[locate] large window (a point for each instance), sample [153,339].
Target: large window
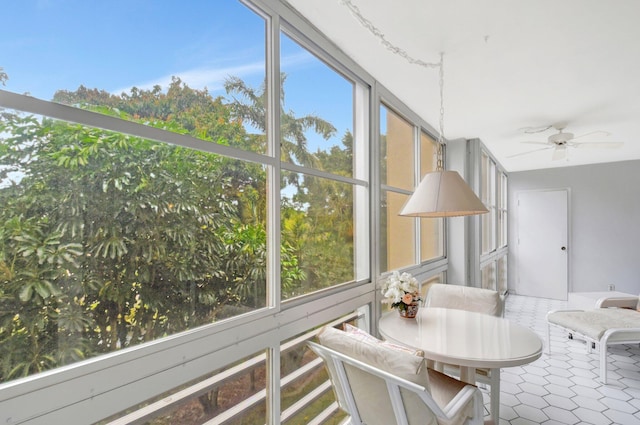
[158,204]
[400,144]
[318,185]
[131,225]
[493,192]
[110,240]
[155,218]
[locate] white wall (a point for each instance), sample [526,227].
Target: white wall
[604,223]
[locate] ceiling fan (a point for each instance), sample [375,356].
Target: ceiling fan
[562,140]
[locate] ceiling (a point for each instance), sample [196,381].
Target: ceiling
[508,66]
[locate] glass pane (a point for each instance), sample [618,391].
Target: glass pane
[431,238]
[108,241]
[502,274]
[488,196]
[317,234]
[317,112]
[428,154]
[503,216]
[205,400]
[397,233]
[424,286]
[489,276]
[396,151]
[158,66]
[431,229]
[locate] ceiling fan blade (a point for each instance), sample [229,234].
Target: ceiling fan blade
[528,152]
[597,145]
[560,152]
[598,132]
[536,143]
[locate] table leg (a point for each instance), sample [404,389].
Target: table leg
[494,382]
[468,374]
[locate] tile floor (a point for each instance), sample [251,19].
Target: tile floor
[562,388]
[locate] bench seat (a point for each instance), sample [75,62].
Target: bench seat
[602,327]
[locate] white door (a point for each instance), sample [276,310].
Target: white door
[543,258]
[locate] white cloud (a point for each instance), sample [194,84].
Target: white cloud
[213,77]
[199,78]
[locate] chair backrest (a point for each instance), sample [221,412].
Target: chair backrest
[371,394]
[467,298]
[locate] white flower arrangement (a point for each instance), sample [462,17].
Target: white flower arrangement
[400,290]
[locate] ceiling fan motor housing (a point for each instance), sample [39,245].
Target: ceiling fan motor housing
[560,138]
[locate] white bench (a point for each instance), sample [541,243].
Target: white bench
[615,321]
[590,300]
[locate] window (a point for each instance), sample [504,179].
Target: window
[431,229]
[110,240]
[493,192]
[318,186]
[502,210]
[397,177]
[134,227]
[398,152]
[488,194]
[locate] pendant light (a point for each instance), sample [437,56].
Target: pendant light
[442,193]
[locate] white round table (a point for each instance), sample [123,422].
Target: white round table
[467,339]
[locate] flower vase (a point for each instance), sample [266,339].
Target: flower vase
[410,311]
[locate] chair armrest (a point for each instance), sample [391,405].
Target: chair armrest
[619,302]
[560,311]
[621,335]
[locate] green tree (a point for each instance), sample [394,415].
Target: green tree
[319,206]
[109,240]
[249,105]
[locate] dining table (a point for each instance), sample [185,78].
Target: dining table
[467,339]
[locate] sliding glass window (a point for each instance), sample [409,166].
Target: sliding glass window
[141,209]
[402,238]
[318,150]
[181,201]
[493,191]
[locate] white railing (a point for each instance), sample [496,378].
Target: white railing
[173,401]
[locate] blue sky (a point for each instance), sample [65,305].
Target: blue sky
[47,45]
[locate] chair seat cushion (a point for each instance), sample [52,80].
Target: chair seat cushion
[594,323]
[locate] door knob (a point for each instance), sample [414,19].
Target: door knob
[564,248]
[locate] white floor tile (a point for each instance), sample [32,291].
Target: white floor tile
[564,387]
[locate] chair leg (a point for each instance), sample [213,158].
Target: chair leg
[603,363]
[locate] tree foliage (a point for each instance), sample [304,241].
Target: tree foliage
[109,240]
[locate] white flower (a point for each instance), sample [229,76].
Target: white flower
[393,294]
[397,286]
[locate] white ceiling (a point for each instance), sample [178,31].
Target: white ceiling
[508,65]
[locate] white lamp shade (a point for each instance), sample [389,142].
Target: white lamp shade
[443,194]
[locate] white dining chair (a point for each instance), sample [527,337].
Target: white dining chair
[467,298]
[378,385]
[474,299]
